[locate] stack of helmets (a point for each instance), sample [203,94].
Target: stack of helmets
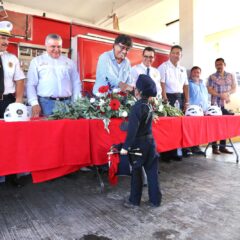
[213,111]
[194,110]
[16,112]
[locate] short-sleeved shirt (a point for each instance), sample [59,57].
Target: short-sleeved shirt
[220,84]
[110,73]
[153,73]
[174,77]
[198,94]
[52,77]
[12,72]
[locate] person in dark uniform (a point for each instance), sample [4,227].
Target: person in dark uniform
[11,79]
[139,135]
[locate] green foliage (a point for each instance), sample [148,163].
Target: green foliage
[107,106]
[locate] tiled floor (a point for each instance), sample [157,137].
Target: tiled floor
[201,201]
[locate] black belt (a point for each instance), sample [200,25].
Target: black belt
[57,98]
[145,137]
[174,94]
[6,96]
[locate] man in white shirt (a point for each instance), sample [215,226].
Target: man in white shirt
[52,77]
[11,81]
[174,83]
[174,80]
[12,77]
[146,68]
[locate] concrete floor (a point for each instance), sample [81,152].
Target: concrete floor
[201,201]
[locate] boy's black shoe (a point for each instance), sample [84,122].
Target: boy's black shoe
[128,204]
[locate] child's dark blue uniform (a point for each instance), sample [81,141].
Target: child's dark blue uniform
[140,136]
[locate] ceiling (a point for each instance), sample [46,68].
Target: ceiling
[147,18]
[98,12]
[91,11]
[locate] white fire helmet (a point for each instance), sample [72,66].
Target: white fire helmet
[16,112]
[213,111]
[194,110]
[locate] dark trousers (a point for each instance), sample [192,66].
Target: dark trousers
[172,97]
[7,99]
[222,142]
[154,192]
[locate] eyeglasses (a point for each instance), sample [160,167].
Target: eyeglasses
[150,57]
[122,47]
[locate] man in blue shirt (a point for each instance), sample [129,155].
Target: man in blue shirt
[113,68]
[198,95]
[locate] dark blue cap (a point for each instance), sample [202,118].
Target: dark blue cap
[146,86]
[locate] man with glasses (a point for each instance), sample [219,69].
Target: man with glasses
[52,77]
[146,68]
[113,68]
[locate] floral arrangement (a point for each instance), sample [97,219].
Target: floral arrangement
[107,105]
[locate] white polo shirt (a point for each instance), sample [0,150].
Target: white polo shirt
[153,73]
[12,71]
[173,77]
[52,77]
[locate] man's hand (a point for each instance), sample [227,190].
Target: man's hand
[123,151]
[125,87]
[36,109]
[225,96]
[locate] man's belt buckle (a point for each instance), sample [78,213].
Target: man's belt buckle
[1,97]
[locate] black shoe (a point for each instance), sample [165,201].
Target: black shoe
[225,150]
[216,151]
[128,204]
[197,151]
[200,153]
[16,183]
[187,153]
[153,205]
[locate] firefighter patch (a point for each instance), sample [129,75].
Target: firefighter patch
[10,64]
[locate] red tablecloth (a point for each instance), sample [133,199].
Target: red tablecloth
[50,149]
[47,146]
[101,140]
[200,130]
[167,132]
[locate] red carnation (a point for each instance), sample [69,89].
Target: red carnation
[114,104]
[103,89]
[123,94]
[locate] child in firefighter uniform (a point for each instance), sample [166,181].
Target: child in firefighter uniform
[139,135]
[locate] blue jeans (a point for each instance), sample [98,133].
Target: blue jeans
[47,105]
